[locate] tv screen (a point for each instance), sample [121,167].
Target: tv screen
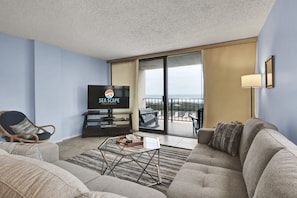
[108,97]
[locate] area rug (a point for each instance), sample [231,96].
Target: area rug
[171,160]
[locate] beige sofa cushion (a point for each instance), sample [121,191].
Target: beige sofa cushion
[261,151]
[24,149]
[203,154]
[49,151]
[46,151]
[250,130]
[3,152]
[198,180]
[122,187]
[83,174]
[93,194]
[279,177]
[30,178]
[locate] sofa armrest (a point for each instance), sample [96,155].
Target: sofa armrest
[205,134]
[45,151]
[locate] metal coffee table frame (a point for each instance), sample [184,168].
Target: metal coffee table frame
[133,153]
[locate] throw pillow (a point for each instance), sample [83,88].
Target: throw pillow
[24,126]
[226,137]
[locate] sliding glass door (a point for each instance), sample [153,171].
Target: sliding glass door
[151,95]
[170,90]
[185,93]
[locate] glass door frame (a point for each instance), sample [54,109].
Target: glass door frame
[165,92]
[164,97]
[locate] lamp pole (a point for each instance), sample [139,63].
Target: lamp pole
[251,102]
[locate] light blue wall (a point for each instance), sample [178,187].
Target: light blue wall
[16,74]
[62,95]
[48,94]
[76,76]
[279,38]
[48,83]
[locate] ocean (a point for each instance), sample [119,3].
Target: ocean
[176,96]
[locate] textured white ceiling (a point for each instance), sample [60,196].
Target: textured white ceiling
[112,29]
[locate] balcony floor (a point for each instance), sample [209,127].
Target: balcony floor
[177,128]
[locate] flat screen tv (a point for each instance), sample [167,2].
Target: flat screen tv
[108,97]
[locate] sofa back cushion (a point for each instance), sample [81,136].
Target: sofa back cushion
[96,194]
[264,146]
[3,152]
[26,177]
[250,130]
[279,178]
[24,149]
[45,151]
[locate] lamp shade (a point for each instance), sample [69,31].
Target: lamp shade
[251,81]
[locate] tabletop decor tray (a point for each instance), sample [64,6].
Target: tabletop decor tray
[123,140]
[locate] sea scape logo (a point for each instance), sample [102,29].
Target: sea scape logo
[109,93]
[109,98]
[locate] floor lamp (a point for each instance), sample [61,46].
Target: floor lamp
[251,81]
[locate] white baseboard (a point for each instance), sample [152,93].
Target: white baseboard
[67,138]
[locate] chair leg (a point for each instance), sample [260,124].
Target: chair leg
[193,122]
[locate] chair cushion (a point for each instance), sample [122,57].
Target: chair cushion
[24,127]
[42,136]
[226,137]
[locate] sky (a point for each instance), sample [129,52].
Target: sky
[184,80]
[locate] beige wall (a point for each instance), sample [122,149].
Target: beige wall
[224,98]
[126,73]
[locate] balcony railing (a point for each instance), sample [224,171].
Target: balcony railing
[179,109]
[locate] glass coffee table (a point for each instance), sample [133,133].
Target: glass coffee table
[140,150]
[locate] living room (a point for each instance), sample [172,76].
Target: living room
[69,73]
[49,83]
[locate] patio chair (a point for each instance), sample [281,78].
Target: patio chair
[197,121]
[147,117]
[16,127]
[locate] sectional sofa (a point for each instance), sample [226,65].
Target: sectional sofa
[35,171]
[265,166]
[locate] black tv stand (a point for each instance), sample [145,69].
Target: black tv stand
[93,112]
[97,123]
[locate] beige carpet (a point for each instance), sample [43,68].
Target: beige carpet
[77,145]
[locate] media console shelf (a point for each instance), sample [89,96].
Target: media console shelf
[98,123]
